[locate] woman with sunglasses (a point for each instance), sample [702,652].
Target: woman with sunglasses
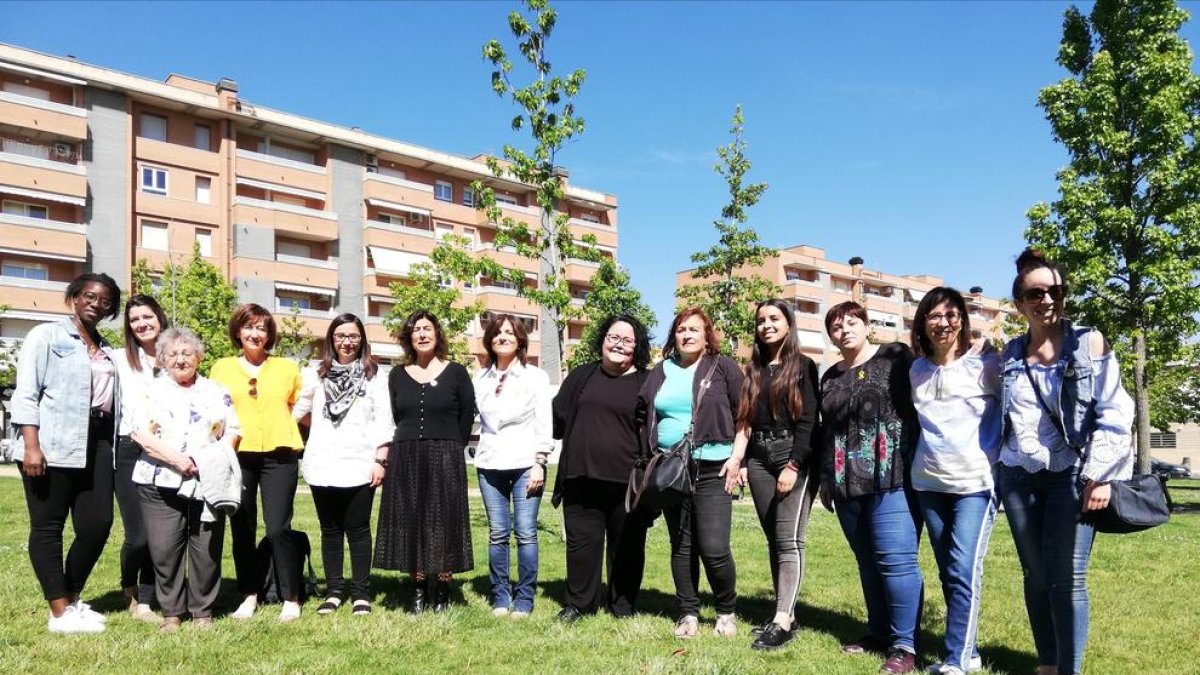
[66,408]
[264,389]
[136,367]
[956,391]
[1066,433]
[514,447]
[345,459]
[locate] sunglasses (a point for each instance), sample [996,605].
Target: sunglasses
[500,386]
[1056,292]
[253,387]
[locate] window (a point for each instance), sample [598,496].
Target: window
[154,180]
[203,190]
[442,230]
[294,301]
[26,210]
[153,127]
[27,91]
[443,191]
[204,239]
[590,217]
[203,140]
[468,197]
[390,172]
[154,235]
[1158,440]
[472,235]
[506,199]
[266,147]
[293,248]
[25,270]
[393,220]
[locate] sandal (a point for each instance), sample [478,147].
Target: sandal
[687,627]
[726,625]
[330,605]
[360,607]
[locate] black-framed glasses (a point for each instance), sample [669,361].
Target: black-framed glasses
[349,338]
[614,339]
[253,387]
[93,299]
[951,318]
[1035,294]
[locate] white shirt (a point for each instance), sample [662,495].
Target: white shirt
[514,425]
[958,409]
[343,455]
[135,387]
[185,419]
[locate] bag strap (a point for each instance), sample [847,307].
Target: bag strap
[633,493]
[705,384]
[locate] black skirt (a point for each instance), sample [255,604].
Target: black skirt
[424,523]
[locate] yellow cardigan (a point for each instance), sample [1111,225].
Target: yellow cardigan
[266,419]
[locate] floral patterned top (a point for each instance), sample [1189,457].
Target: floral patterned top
[869,424]
[186,419]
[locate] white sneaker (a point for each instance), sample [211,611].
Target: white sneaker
[976,663]
[289,612]
[246,609]
[89,613]
[499,611]
[73,621]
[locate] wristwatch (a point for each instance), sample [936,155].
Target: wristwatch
[541,461]
[381,461]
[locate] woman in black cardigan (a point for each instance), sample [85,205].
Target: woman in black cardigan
[594,418]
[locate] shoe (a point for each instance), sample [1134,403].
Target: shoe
[899,661]
[330,605]
[976,663]
[89,613]
[569,615]
[773,636]
[726,625]
[170,624]
[131,600]
[418,600]
[289,612]
[517,615]
[73,621]
[441,596]
[202,622]
[687,627]
[246,609]
[761,628]
[499,611]
[866,643]
[142,612]
[361,607]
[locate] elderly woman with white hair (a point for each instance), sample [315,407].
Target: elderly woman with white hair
[189,479]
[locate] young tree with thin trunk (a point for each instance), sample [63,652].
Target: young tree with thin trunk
[611,294]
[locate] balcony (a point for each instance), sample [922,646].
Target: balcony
[41,167]
[45,116]
[32,295]
[589,225]
[174,154]
[508,258]
[312,223]
[327,263]
[808,290]
[605,235]
[580,270]
[285,309]
[397,194]
[52,243]
[400,229]
[264,158]
[43,223]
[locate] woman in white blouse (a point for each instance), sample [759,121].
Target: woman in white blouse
[515,440]
[346,455]
[1065,434]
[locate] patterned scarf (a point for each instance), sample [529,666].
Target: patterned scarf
[342,387]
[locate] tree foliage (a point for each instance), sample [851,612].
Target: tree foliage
[432,286]
[294,340]
[8,358]
[725,295]
[195,295]
[611,294]
[1127,220]
[547,110]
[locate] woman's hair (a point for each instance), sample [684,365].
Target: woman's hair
[364,347]
[711,346]
[131,343]
[1030,260]
[75,289]
[785,386]
[441,347]
[246,314]
[174,335]
[921,343]
[493,329]
[842,310]
[641,338]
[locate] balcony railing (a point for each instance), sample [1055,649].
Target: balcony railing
[583,263]
[44,105]
[588,223]
[43,223]
[280,161]
[287,308]
[502,290]
[401,182]
[35,284]
[401,229]
[284,207]
[55,156]
[329,264]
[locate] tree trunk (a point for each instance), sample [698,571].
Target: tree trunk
[1141,400]
[550,355]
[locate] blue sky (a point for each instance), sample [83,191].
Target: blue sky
[905,133]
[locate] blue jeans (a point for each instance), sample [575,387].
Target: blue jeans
[500,488]
[960,526]
[1054,544]
[884,534]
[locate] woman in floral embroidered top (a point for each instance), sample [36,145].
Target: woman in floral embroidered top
[870,427]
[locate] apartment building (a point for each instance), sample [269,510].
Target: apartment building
[99,169]
[812,284]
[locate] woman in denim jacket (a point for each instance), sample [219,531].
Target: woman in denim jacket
[1066,434]
[66,408]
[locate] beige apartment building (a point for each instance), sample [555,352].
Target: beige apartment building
[99,169]
[812,284]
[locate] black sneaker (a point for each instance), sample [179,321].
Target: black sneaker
[758,630]
[773,636]
[569,615]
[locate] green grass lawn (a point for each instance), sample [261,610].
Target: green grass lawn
[1143,588]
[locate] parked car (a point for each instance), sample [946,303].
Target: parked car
[1166,470]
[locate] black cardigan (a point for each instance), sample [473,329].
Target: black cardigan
[441,411]
[714,420]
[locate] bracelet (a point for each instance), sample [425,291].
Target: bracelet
[381,461]
[792,465]
[541,461]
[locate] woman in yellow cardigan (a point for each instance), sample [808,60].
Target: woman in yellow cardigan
[264,388]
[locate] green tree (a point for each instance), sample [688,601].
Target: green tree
[8,358]
[432,286]
[1127,221]
[196,295]
[294,340]
[547,110]
[611,294]
[725,295]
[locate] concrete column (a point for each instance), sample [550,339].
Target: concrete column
[106,158]
[346,171]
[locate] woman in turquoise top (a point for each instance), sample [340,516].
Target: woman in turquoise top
[696,388]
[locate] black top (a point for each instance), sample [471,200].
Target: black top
[441,409]
[802,428]
[603,440]
[868,423]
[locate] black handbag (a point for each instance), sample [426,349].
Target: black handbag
[300,553]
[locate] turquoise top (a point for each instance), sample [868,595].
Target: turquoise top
[673,406]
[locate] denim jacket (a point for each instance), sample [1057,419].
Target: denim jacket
[54,393]
[1078,418]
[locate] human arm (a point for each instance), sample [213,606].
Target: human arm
[1109,453]
[732,470]
[466,402]
[542,429]
[381,428]
[308,390]
[163,453]
[735,474]
[32,362]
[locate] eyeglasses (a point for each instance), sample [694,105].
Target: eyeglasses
[500,386]
[1036,294]
[951,318]
[253,387]
[350,338]
[614,339]
[103,301]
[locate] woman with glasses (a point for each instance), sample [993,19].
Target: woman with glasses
[956,391]
[513,400]
[594,416]
[264,389]
[346,457]
[66,408]
[1066,433]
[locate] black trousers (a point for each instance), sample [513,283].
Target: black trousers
[594,510]
[86,495]
[699,531]
[136,567]
[345,515]
[276,473]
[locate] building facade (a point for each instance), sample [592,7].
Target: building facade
[99,169]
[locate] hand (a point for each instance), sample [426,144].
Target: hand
[826,498]
[743,476]
[981,345]
[1096,496]
[186,467]
[537,479]
[34,463]
[731,472]
[377,474]
[787,481]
